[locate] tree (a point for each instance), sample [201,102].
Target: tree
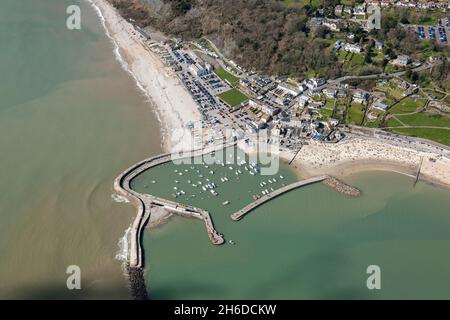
[414,77]
[321,32]
[408,73]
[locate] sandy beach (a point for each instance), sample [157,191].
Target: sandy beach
[358,154]
[173,104]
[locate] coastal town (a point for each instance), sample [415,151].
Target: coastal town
[390,111]
[293,112]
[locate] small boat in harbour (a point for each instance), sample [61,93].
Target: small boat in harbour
[231,242]
[225,203]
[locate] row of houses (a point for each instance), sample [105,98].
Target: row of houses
[418,4]
[357,11]
[332,24]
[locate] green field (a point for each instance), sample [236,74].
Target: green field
[355,114]
[392,122]
[233,97]
[408,105]
[438,135]
[326,113]
[225,75]
[425,119]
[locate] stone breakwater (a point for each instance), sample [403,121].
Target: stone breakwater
[136,282]
[241,213]
[145,203]
[326,179]
[148,203]
[342,187]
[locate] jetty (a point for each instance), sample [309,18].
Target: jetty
[145,203]
[418,172]
[296,154]
[271,195]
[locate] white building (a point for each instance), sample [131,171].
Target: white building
[197,69]
[269,110]
[329,93]
[360,11]
[402,60]
[360,96]
[314,83]
[289,89]
[380,106]
[354,48]
[331,24]
[302,88]
[303,101]
[347,10]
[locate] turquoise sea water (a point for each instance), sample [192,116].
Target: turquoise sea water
[312,243]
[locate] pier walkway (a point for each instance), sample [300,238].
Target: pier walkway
[239,214]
